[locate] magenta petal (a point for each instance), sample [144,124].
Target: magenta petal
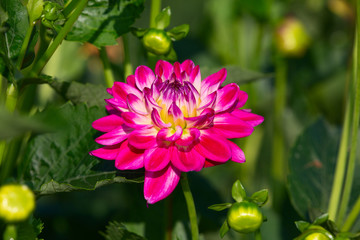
[212,82]
[136,120]
[227,98]
[229,126]
[159,185]
[237,155]
[131,80]
[213,147]
[203,120]
[108,123]
[121,90]
[144,77]
[243,96]
[166,135]
[187,66]
[188,137]
[115,136]
[187,161]
[208,101]
[250,118]
[129,157]
[136,105]
[163,69]
[143,138]
[156,159]
[107,152]
[155,117]
[195,78]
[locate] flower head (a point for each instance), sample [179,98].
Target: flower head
[170,122]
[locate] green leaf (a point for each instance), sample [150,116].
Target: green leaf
[179,32]
[302,225]
[30,229]
[238,191]
[162,20]
[312,163]
[92,95]
[224,229]
[34,8]
[220,206]
[18,23]
[321,219]
[60,161]
[260,197]
[117,231]
[102,21]
[139,32]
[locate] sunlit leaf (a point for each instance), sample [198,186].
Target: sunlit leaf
[220,206]
[302,225]
[224,229]
[34,8]
[179,32]
[260,197]
[162,20]
[238,191]
[117,231]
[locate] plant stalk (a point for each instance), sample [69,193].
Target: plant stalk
[24,46]
[352,217]
[154,11]
[109,77]
[128,69]
[190,206]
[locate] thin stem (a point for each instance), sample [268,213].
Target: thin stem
[258,235]
[40,64]
[155,10]
[128,68]
[24,46]
[191,206]
[355,126]
[10,232]
[3,88]
[109,77]
[352,217]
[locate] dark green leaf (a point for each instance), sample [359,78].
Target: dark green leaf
[18,23]
[60,162]
[302,225]
[34,8]
[139,32]
[220,206]
[179,32]
[224,229]
[30,229]
[321,219]
[238,191]
[117,231]
[312,164]
[162,20]
[92,95]
[260,197]
[102,21]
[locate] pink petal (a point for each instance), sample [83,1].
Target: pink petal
[144,77]
[156,159]
[136,105]
[131,80]
[117,104]
[143,138]
[129,157]
[213,147]
[190,136]
[212,82]
[229,126]
[243,96]
[166,135]
[136,120]
[195,78]
[107,152]
[155,117]
[121,90]
[227,98]
[237,155]
[159,185]
[187,66]
[187,161]
[208,101]
[177,70]
[209,163]
[163,69]
[115,136]
[108,123]
[250,118]
[177,115]
[203,120]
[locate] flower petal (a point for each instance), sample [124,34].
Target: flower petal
[237,155]
[203,120]
[164,69]
[144,77]
[107,152]
[187,66]
[115,136]
[135,120]
[212,82]
[129,157]
[131,80]
[243,96]
[156,159]
[136,105]
[168,135]
[190,136]
[213,147]
[250,118]
[159,185]
[195,78]
[227,98]
[155,117]
[143,138]
[230,126]
[187,161]
[121,90]
[108,123]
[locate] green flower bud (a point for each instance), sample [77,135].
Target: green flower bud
[51,11]
[315,232]
[16,202]
[244,217]
[157,42]
[291,38]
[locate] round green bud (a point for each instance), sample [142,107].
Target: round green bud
[291,39]
[51,11]
[244,217]
[315,232]
[157,42]
[16,202]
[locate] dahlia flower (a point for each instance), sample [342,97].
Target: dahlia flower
[170,122]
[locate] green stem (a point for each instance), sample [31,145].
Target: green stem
[258,235]
[191,206]
[355,129]
[10,232]
[3,88]
[24,46]
[109,77]
[40,64]
[352,217]
[154,11]
[128,69]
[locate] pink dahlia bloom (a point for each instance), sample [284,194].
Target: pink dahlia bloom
[170,122]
